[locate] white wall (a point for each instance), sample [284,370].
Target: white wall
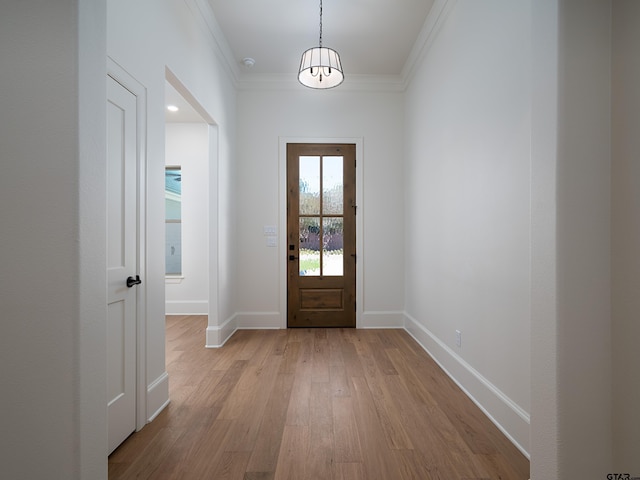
[53,143]
[187,146]
[571,199]
[145,38]
[583,239]
[52,205]
[512,179]
[265,117]
[467,179]
[544,311]
[469,91]
[626,234]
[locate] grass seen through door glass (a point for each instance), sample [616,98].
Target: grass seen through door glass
[309,260]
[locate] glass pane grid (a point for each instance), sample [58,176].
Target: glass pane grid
[321,212]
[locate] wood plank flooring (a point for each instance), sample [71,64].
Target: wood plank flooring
[317,404]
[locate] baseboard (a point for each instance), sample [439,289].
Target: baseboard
[511,419]
[260,320]
[217,336]
[271,320]
[179,307]
[382,320]
[157,396]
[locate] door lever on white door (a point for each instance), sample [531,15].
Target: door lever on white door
[133,281]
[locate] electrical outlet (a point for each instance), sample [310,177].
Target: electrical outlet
[458,338]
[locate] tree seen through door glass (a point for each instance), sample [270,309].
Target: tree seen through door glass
[309,257]
[332,246]
[332,189]
[309,186]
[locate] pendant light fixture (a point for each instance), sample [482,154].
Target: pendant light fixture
[320,66]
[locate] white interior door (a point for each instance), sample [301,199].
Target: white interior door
[122,261]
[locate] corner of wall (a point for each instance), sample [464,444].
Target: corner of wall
[217,336]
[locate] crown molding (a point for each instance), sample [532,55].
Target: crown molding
[352,83]
[204,14]
[435,19]
[362,83]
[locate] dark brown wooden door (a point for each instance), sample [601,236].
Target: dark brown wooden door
[321,235]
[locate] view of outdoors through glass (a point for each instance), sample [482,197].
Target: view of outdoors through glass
[173,220]
[321,215]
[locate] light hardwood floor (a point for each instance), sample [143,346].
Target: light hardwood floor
[340,404]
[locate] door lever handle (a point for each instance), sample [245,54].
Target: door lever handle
[292,257]
[133,281]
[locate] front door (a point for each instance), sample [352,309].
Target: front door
[122,261]
[321,235]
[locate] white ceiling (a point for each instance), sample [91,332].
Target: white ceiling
[373,37]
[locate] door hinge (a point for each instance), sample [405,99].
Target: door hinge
[355,306]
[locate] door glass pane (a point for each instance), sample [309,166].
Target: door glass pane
[332,170]
[309,246]
[332,246]
[309,185]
